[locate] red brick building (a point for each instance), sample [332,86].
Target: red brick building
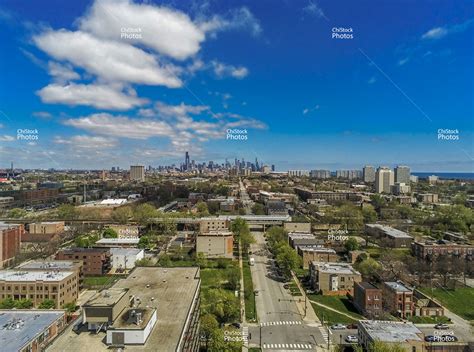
[10,238]
[368,299]
[96,261]
[398,299]
[433,249]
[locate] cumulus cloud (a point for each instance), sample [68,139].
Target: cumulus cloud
[120,126]
[96,95]
[224,70]
[6,138]
[87,142]
[42,115]
[62,73]
[167,31]
[314,9]
[109,60]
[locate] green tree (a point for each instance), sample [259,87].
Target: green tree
[70,307]
[47,304]
[143,213]
[110,233]
[233,279]
[369,214]
[7,303]
[239,225]
[258,209]
[351,244]
[202,209]
[246,239]
[23,303]
[369,268]
[66,212]
[122,214]
[276,234]
[17,213]
[288,260]
[144,242]
[208,325]
[164,260]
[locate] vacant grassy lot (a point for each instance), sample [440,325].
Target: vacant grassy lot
[331,317]
[99,282]
[429,320]
[340,303]
[250,313]
[459,301]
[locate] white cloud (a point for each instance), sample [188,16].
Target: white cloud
[441,32]
[87,142]
[313,9]
[6,138]
[109,60]
[62,73]
[180,110]
[237,19]
[98,96]
[435,33]
[42,115]
[372,80]
[402,62]
[165,30]
[224,70]
[311,109]
[121,126]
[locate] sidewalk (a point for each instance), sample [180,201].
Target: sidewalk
[311,316]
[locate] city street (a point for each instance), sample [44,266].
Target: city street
[281,325]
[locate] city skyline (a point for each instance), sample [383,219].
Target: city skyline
[302,100]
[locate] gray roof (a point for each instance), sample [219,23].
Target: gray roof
[19,328]
[390,331]
[36,275]
[48,264]
[390,231]
[398,286]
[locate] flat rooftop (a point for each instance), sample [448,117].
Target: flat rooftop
[106,297]
[397,286]
[317,249]
[36,275]
[367,285]
[171,292]
[129,240]
[335,268]
[390,231]
[4,225]
[133,318]
[49,265]
[216,233]
[125,251]
[390,331]
[18,328]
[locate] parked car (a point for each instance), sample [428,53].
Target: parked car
[352,326]
[286,286]
[352,339]
[236,325]
[441,326]
[338,327]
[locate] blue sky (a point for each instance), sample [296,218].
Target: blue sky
[306,100]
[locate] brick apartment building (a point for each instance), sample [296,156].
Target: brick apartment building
[43,231]
[433,249]
[10,239]
[215,244]
[333,278]
[398,299]
[368,299]
[316,254]
[213,224]
[38,285]
[388,235]
[96,261]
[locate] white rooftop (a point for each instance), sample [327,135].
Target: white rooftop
[36,275]
[390,231]
[391,331]
[126,240]
[335,268]
[113,201]
[125,251]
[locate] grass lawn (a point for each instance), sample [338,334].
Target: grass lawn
[99,281]
[340,303]
[216,277]
[254,349]
[250,313]
[294,290]
[331,317]
[429,320]
[460,301]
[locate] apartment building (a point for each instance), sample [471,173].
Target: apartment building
[398,299]
[430,250]
[43,231]
[389,236]
[215,244]
[368,299]
[427,197]
[38,285]
[10,239]
[213,224]
[333,278]
[96,261]
[316,254]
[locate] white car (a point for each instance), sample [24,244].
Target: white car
[338,327]
[352,339]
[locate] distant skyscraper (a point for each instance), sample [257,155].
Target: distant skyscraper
[137,173]
[384,180]
[320,174]
[402,174]
[187,164]
[368,173]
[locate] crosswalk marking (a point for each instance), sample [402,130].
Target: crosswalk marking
[270,323]
[323,332]
[245,335]
[286,346]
